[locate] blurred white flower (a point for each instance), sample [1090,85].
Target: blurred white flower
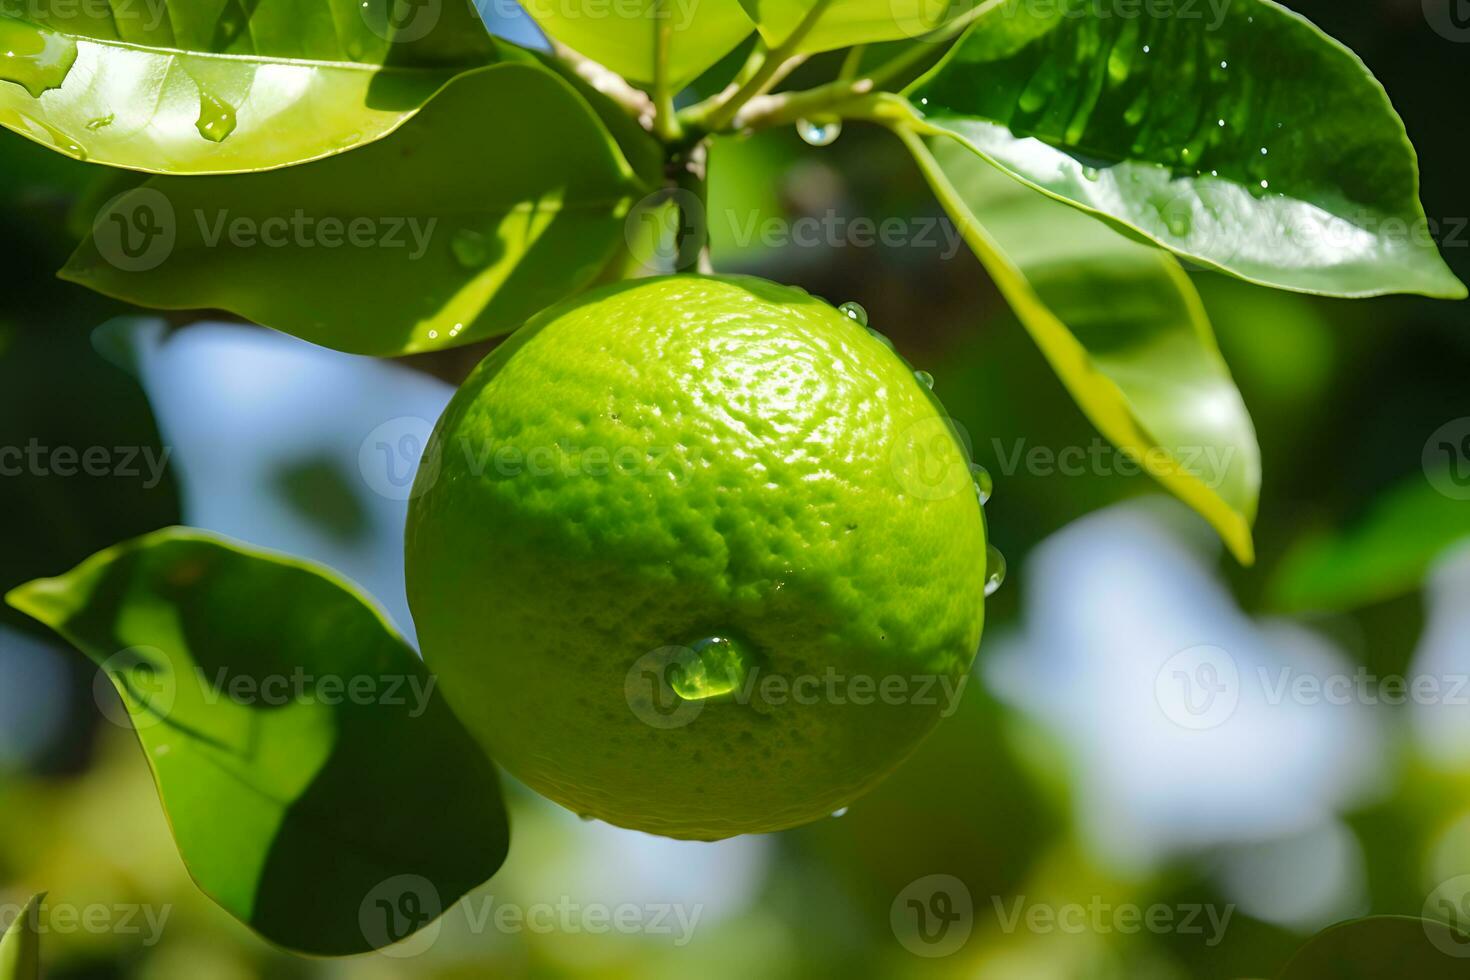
[286,445]
[1187,724]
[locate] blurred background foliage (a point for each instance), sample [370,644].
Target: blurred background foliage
[1047,786]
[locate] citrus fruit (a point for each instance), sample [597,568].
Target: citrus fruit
[698,556]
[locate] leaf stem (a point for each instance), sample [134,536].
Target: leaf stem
[786,107]
[776,65]
[666,124]
[634,101]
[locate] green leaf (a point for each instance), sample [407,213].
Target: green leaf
[503,196]
[1382,946]
[625,36]
[1123,328]
[20,947]
[841,23]
[1237,135]
[193,87]
[1386,555]
[318,787]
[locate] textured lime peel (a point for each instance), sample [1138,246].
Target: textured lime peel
[699,556]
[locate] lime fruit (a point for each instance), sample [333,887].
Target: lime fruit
[698,556]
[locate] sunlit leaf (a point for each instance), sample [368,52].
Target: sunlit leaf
[1237,135]
[20,946]
[189,86]
[840,23]
[504,195]
[1123,328]
[625,36]
[318,787]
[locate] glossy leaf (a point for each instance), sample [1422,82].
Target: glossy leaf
[503,196]
[841,23]
[191,87]
[1123,328]
[1387,554]
[299,746]
[630,36]
[20,946]
[1382,946]
[1238,136]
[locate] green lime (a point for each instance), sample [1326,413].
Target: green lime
[698,556]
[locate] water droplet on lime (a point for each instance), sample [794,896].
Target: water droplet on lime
[995,569]
[855,313]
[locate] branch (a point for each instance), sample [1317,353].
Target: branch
[634,101]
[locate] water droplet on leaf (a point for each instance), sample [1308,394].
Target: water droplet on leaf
[34,58]
[216,117]
[925,378]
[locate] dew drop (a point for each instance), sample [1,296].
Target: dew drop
[1178,223]
[470,248]
[216,117]
[821,132]
[34,58]
[855,313]
[995,569]
[924,378]
[840,812]
[101,122]
[1091,173]
[718,665]
[984,485]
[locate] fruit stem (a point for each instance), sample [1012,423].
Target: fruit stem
[686,171]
